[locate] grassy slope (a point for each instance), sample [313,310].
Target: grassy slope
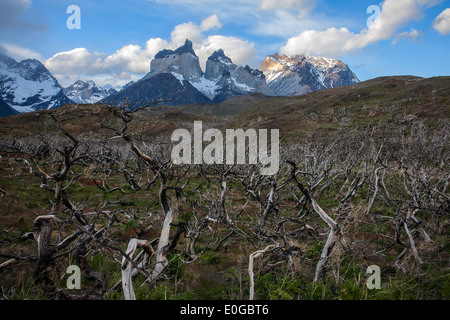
[381,99]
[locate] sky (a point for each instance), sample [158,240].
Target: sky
[116,40]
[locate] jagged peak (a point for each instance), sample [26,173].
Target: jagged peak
[316,61]
[254,72]
[80,84]
[186,48]
[219,56]
[32,64]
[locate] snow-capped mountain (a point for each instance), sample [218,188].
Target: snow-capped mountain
[176,78]
[28,86]
[169,80]
[87,92]
[223,79]
[289,76]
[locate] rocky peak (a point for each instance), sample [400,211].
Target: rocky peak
[218,64]
[255,72]
[219,56]
[186,48]
[183,63]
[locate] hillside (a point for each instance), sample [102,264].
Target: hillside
[382,99]
[363,181]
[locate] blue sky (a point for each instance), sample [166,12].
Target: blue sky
[118,39]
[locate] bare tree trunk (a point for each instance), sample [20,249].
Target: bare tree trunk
[45,257]
[268,208]
[411,238]
[127,266]
[412,244]
[252,257]
[375,192]
[398,261]
[329,245]
[163,244]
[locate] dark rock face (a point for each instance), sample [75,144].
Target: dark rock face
[219,56]
[186,48]
[164,87]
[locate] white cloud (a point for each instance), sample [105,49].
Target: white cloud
[329,42]
[133,61]
[413,35]
[185,31]
[19,53]
[129,62]
[442,22]
[335,42]
[210,23]
[240,51]
[284,24]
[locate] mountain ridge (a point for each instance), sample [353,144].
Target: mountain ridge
[222,79]
[298,75]
[87,92]
[28,85]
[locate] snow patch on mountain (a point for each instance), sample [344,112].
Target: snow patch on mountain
[28,86]
[87,92]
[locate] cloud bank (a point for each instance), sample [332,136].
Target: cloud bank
[335,42]
[442,22]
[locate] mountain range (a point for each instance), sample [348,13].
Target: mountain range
[175,78]
[87,92]
[298,75]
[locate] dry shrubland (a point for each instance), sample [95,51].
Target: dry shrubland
[112,203]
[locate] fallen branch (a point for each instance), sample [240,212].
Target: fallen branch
[7,263]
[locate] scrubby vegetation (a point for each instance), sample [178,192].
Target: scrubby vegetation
[94,186]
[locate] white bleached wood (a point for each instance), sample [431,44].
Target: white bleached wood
[252,257]
[127,267]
